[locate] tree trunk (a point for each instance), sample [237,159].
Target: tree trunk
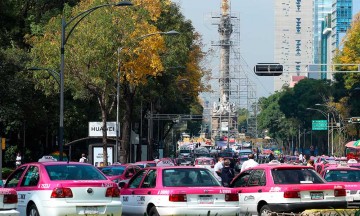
[104,130]
[125,139]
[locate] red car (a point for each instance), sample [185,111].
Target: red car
[120,172]
[278,187]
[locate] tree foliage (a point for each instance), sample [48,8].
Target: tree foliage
[350,54]
[128,36]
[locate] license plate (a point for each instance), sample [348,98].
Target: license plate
[206,199]
[91,210]
[317,195]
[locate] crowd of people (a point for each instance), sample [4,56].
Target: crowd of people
[225,173]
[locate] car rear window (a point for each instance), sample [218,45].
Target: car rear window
[188,177]
[73,172]
[204,162]
[113,171]
[296,176]
[342,175]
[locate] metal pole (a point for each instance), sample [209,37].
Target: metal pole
[328,138]
[304,140]
[332,138]
[117,107]
[228,138]
[299,142]
[141,132]
[1,166]
[62,64]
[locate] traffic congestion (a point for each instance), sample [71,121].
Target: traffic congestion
[220,184]
[135,108]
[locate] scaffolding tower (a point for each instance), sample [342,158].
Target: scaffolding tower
[236,90]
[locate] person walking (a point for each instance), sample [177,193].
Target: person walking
[249,163]
[217,168]
[227,173]
[83,158]
[18,160]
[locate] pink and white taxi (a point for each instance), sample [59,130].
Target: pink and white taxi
[205,162]
[350,177]
[177,190]
[64,188]
[277,187]
[8,202]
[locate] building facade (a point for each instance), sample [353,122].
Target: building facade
[307,35]
[293,38]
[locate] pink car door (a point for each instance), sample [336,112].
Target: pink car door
[130,195]
[146,191]
[253,183]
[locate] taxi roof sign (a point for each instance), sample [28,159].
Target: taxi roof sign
[47,158]
[352,161]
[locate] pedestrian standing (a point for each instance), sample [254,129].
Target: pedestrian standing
[271,157]
[249,163]
[83,158]
[18,160]
[218,167]
[301,158]
[227,173]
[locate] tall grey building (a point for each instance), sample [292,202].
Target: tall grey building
[293,39]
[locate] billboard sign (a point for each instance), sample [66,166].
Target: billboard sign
[98,159]
[95,129]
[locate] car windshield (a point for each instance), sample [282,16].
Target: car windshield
[204,162]
[113,171]
[296,176]
[73,172]
[188,177]
[342,175]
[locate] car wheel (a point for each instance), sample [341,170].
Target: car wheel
[153,212]
[33,211]
[265,211]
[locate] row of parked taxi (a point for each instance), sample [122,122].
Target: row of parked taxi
[73,188]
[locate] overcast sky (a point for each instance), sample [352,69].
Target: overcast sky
[256,31]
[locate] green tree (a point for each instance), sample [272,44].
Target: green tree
[91,70]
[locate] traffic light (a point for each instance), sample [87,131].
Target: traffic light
[355,119]
[3,143]
[268,69]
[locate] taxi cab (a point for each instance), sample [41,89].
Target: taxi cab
[8,202]
[205,162]
[350,177]
[63,188]
[280,188]
[177,190]
[121,172]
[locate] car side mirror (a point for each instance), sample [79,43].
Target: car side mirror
[122,184]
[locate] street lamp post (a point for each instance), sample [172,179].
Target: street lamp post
[336,125]
[326,115]
[64,39]
[172,32]
[53,73]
